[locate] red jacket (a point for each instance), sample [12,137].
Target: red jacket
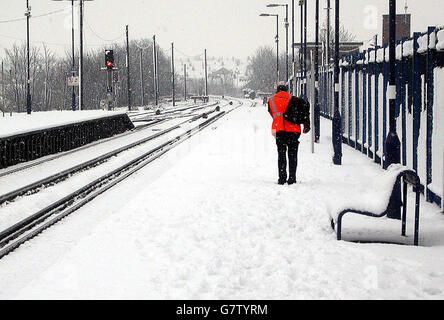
[281,101]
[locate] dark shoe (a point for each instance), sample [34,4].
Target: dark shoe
[281,182]
[291,181]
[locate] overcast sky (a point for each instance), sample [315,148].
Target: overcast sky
[223,27]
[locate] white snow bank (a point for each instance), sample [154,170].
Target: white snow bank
[407,50]
[432,44]
[423,43]
[440,44]
[373,56]
[380,55]
[343,63]
[21,122]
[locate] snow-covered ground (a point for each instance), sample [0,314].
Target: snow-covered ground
[208,221]
[23,207]
[22,122]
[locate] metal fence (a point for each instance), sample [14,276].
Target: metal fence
[364,105]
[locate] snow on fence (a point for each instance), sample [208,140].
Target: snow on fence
[364,105]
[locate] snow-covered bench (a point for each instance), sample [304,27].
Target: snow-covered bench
[378,201]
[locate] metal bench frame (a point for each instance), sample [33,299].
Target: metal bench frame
[407,177]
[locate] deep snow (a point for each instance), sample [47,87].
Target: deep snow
[208,221]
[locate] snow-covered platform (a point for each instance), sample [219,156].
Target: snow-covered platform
[209,221]
[26,137]
[20,123]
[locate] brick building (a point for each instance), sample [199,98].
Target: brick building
[403,27]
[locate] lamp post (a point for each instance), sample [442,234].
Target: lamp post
[286,30]
[142,93]
[185,81]
[317,120]
[336,127]
[392,141]
[327,56]
[81,58]
[305,49]
[393,145]
[73,71]
[28,80]
[128,82]
[172,74]
[324,32]
[277,41]
[156,95]
[206,74]
[80,53]
[301,4]
[293,64]
[292,31]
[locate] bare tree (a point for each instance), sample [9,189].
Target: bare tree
[49,76]
[49,73]
[344,36]
[261,69]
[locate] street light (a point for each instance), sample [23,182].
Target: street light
[336,125]
[80,56]
[317,119]
[301,50]
[28,80]
[392,143]
[303,4]
[324,32]
[327,38]
[73,72]
[277,40]
[274,5]
[292,32]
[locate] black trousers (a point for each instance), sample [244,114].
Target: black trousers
[287,141]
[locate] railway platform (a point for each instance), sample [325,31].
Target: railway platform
[209,221]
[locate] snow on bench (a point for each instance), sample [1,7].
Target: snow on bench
[374,199]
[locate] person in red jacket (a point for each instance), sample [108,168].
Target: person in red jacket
[287,133]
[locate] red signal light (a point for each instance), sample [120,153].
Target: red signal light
[109,59]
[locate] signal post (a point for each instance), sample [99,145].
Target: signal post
[110,78]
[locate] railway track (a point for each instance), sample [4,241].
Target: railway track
[17,234]
[155,121]
[93,144]
[61,176]
[136,117]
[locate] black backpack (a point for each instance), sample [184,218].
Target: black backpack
[298,111]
